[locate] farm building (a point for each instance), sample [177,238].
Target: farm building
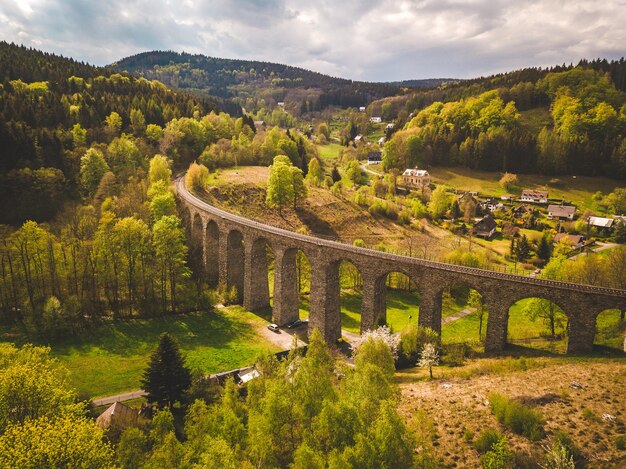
[536,197]
[416,178]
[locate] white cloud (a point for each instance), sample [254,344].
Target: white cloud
[369,40]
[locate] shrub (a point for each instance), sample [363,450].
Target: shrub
[412,341]
[620,442]
[487,439]
[566,442]
[521,419]
[404,216]
[499,457]
[197,177]
[557,456]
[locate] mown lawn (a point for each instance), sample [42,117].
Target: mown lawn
[111,359]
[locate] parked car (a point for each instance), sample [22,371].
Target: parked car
[273,327]
[293,324]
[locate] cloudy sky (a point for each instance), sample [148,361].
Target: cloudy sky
[374,40]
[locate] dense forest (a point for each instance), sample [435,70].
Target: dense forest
[249,80]
[561,122]
[93,157]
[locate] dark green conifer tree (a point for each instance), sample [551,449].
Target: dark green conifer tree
[166,378]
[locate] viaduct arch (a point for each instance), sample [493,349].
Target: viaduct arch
[240,261]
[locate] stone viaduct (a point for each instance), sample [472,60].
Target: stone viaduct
[234,252]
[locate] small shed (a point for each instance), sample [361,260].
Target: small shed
[600,222]
[117,418]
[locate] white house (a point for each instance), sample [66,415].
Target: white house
[361,108]
[376,120]
[536,197]
[416,178]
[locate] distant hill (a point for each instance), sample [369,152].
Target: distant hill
[51,109]
[424,83]
[249,81]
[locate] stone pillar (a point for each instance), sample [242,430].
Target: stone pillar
[497,322]
[325,303]
[430,307]
[256,293]
[373,305]
[286,306]
[212,253]
[235,263]
[581,328]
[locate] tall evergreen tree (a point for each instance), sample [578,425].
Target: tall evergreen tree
[166,378]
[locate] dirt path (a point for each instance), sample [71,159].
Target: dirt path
[601,247]
[457,316]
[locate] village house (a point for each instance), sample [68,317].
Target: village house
[536,197]
[416,178]
[492,205]
[561,212]
[361,108]
[376,120]
[600,222]
[520,210]
[358,138]
[117,418]
[381,141]
[374,157]
[390,126]
[281,104]
[576,241]
[485,228]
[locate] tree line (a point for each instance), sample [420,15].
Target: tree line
[586,132]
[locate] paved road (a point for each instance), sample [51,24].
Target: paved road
[127,396]
[367,170]
[601,247]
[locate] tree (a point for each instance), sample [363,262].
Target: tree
[439,202]
[159,169]
[113,123]
[455,210]
[32,386]
[197,177]
[167,378]
[66,441]
[476,300]
[550,314]
[280,184]
[522,249]
[315,174]
[544,249]
[508,181]
[168,238]
[137,121]
[429,358]
[335,174]
[132,448]
[298,187]
[92,167]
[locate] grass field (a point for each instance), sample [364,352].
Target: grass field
[111,359]
[329,153]
[577,190]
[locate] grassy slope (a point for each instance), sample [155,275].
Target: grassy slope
[576,190]
[459,412]
[112,358]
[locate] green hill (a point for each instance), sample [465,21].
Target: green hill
[250,81]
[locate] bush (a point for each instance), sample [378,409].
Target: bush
[520,418]
[499,457]
[412,341]
[566,442]
[455,354]
[404,216]
[620,442]
[487,439]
